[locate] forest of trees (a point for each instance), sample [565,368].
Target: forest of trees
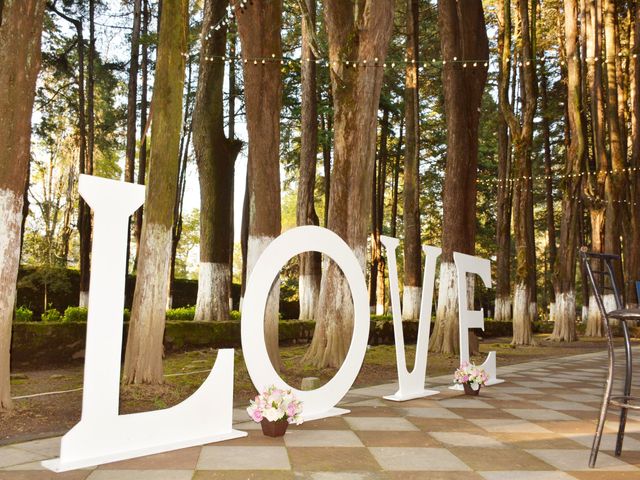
[507,129]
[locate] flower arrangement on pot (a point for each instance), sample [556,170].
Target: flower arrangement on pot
[274,409]
[470,377]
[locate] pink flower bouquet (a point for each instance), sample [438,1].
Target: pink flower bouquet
[470,374]
[275,404]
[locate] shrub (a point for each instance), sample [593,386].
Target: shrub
[51,315]
[234,315]
[181,314]
[75,314]
[126,315]
[23,314]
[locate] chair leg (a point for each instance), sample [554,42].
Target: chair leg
[627,388]
[605,405]
[601,421]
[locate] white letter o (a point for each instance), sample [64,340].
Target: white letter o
[316,403]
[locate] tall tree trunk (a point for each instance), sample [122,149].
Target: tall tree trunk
[310,262]
[259,29]
[412,292]
[244,237]
[616,181]
[142,156]
[550,215]
[376,279]
[83,209]
[20,32]
[505,190]
[594,188]
[521,128]
[176,231]
[232,135]
[357,32]
[85,212]
[633,257]
[463,35]
[396,181]
[215,155]
[327,128]
[132,105]
[564,329]
[143,357]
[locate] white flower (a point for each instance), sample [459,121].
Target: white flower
[272,414]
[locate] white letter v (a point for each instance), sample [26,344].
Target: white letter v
[411,384]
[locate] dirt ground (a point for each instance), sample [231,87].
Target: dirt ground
[53,414]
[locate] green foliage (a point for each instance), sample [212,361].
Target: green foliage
[181,314]
[23,314]
[51,315]
[187,314]
[47,281]
[75,314]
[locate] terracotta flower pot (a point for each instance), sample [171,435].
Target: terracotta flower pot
[468,390]
[274,429]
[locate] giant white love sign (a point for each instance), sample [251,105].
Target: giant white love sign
[103,436]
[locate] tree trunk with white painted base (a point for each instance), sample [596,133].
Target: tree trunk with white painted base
[215,156]
[564,275]
[522,333]
[259,28]
[502,307]
[358,32]
[143,356]
[411,295]
[521,125]
[462,35]
[310,269]
[20,32]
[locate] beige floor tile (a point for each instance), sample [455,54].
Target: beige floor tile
[10,456]
[243,475]
[488,459]
[332,459]
[44,475]
[520,475]
[414,458]
[382,424]
[462,439]
[575,460]
[406,439]
[509,426]
[183,459]
[536,440]
[539,414]
[446,425]
[243,458]
[331,423]
[140,475]
[433,476]
[322,438]
[430,412]
[256,438]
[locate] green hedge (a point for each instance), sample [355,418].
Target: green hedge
[39,343]
[64,291]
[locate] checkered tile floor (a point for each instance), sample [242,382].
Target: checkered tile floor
[538,425]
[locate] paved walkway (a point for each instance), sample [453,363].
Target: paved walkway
[536,426]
